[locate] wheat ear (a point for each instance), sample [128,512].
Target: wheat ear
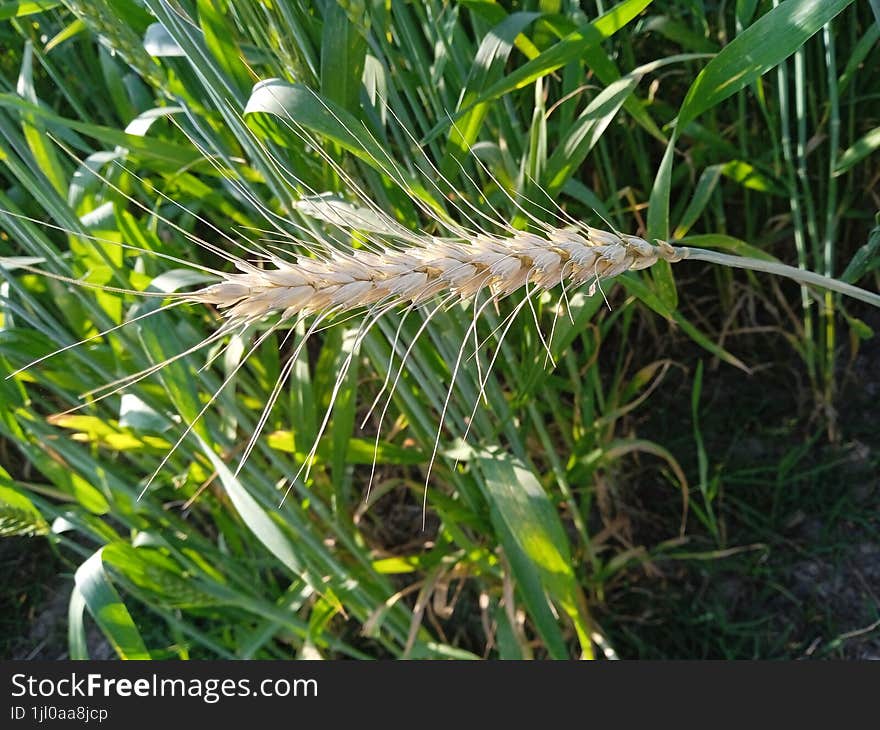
[344,281]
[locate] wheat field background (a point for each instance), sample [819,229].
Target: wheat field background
[609,459]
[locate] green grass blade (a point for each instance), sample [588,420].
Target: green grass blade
[530,527]
[18,515]
[702,193]
[298,106]
[759,48]
[107,609]
[343,53]
[489,61]
[21,8]
[866,259]
[263,527]
[221,42]
[571,48]
[866,145]
[77,644]
[594,120]
[41,148]
[726,243]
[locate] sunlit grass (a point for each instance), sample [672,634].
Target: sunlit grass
[521,547]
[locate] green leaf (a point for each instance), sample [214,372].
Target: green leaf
[536,544]
[331,208]
[26,7]
[159,43]
[679,33]
[359,451]
[68,32]
[258,521]
[158,576]
[708,344]
[743,173]
[634,283]
[346,367]
[658,203]
[106,607]
[866,259]
[343,54]
[594,120]
[34,132]
[865,146]
[858,53]
[114,72]
[750,177]
[664,283]
[702,194]
[585,132]
[18,515]
[658,227]
[299,107]
[760,47]
[875,7]
[488,65]
[635,286]
[727,243]
[571,48]
[157,150]
[581,310]
[858,328]
[221,43]
[77,643]
[745,10]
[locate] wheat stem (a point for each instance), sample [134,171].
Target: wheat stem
[772,267]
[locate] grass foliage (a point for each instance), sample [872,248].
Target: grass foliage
[750,127]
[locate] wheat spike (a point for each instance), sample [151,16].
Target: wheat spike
[344,281]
